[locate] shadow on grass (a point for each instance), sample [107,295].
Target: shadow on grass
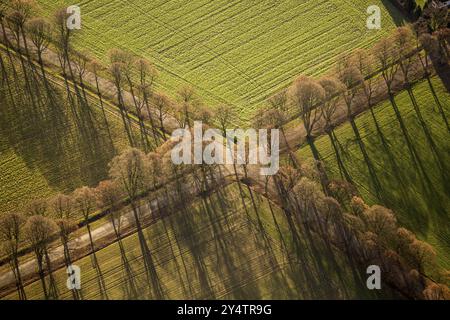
[49,140]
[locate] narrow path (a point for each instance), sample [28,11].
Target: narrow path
[104,235]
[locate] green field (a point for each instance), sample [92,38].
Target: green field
[237,52]
[40,156]
[422,207]
[225,255]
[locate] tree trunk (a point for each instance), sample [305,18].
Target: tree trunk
[323,175]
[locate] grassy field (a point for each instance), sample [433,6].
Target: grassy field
[421,206]
[40,156]
[237,52]
[224,255]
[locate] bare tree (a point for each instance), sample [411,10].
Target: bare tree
[96,67]
[186,95]
[438,18]
[308,95]
[21,11]
[157,166]
[147,75]
[352,79]
[122,67]
[85,202]
[430,45]
[380,221]
[63,211]
[203,113]
[404,40]
[5,77]
[142,114]
[116,71]
[333,89]
[11,234]
[39,31]
[109,195]
[18,14]
[4,7]
[279,117]
[62,40]
[422,254]
[386,55]
[308,201]
[162,103]
[131,171]
[80,62]
[128,63]
[365,63]
[224,115]
[39,231]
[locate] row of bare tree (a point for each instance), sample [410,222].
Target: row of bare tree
[34,37]
[30,36]
[133,77]
[396,61]
[131,173]
[363,233]
[366,235]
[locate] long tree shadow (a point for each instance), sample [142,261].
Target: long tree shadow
[402,184]
[438,157]
[44,135]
